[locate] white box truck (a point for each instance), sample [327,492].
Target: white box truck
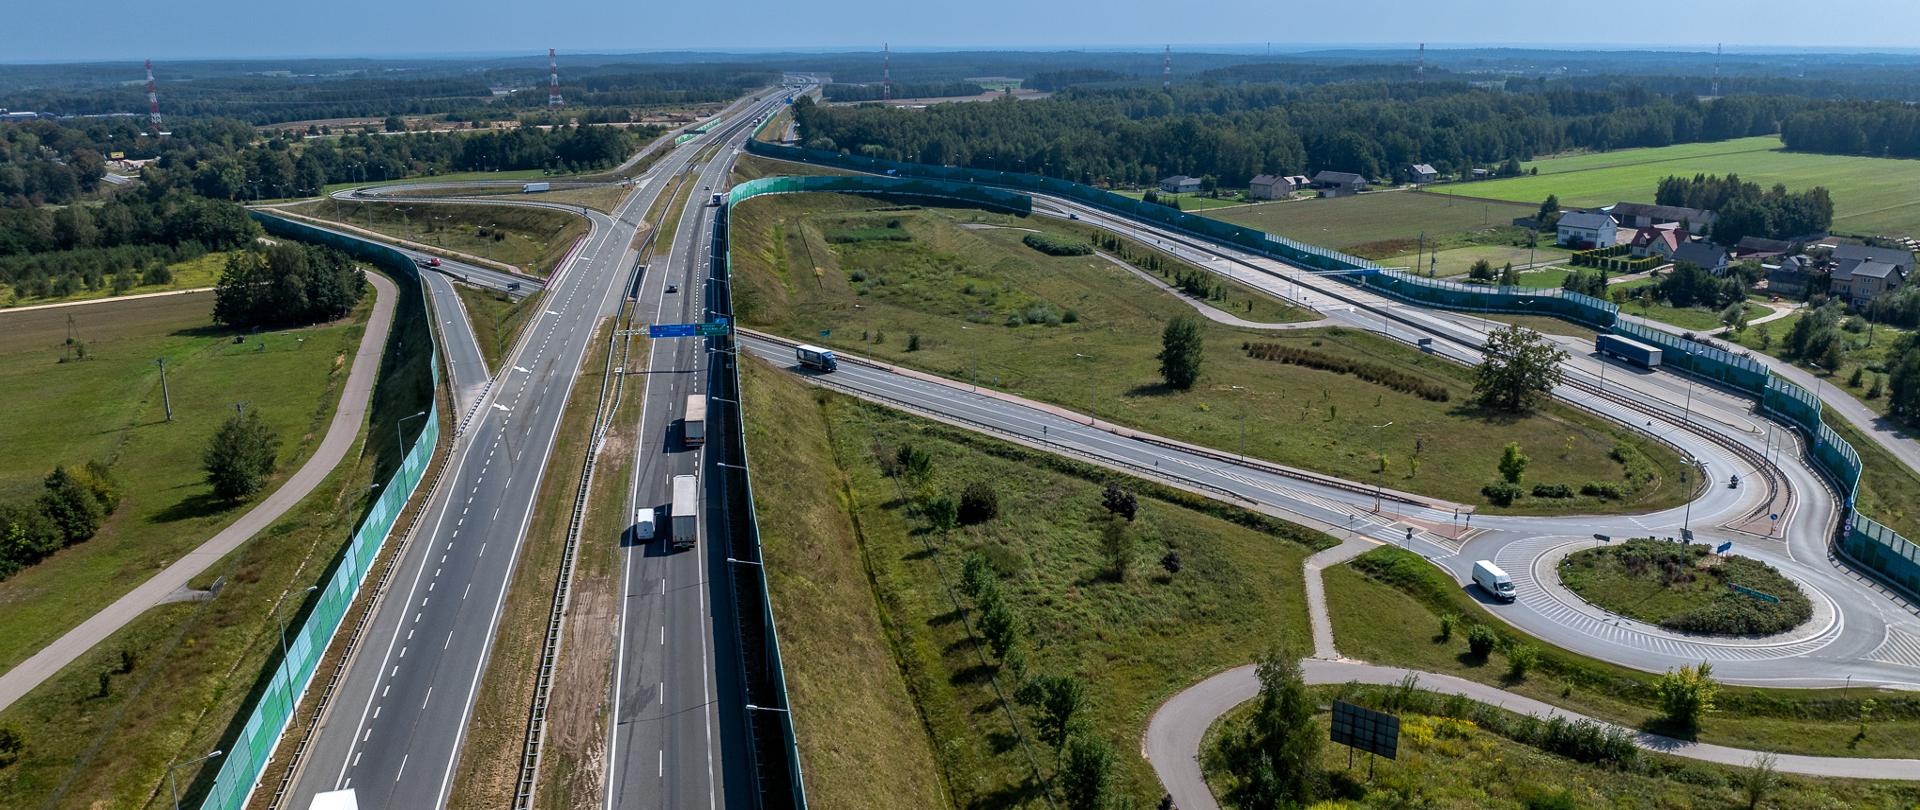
[693,422]
[686,510]
[533,187]
[814,357]
[1493,580]
[643,523]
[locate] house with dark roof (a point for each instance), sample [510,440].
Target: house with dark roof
[1859,281]
[1180,184]
[1271,187]
[1644,215]
[1585,230]
[1422,173]
[1755,247]
[1339,184]
[1704,255]
[1792,277]
[1897,257]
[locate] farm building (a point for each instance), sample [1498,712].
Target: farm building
[1273,186]
[1180,184]
[1643,215]
[1422,173]
[1704,255]
[1339,184]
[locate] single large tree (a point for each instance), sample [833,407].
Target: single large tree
[1086,772]
[1517,369]
[1283,742]
[1180,350]
[241,456]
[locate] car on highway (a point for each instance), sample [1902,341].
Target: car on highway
[427,261]
[673,288]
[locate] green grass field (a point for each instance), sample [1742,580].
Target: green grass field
[1456,261]
[187,275]
[1450,764]
[197,663]
[109,408]
[517,174]
[1189,201]
[1870,195]
[1381,623]
[869,631]
[1386,223]
[532,239]
[958,288]
[496,319]
[1889,491]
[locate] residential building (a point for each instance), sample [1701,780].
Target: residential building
[1897,257]
[1643,215]
[1180,184]
[1755,247]
[1704,255]
[1339,184]
[1792,277]
[1422,173]
[1859,281]
[1271,187]
[1585,230]
[1661,242]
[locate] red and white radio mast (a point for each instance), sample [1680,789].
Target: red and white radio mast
[553,79]
[153,99]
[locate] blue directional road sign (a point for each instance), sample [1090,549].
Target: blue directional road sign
[672,330]
[1723,547]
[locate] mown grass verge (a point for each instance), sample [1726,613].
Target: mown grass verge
[531,239]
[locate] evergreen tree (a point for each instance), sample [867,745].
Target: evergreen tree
[241,456]
[1180,352]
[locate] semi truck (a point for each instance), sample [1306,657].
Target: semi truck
[1632,351]
[533,187]
[693,421]
[719,198]
[686,511]
[815,358]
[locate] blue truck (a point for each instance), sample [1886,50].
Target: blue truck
[1632,351]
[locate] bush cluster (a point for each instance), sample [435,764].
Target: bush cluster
[1582,740]
[1056,246]
[1502,493]
[69,510]
[1607,490]
[1371,372]
[1552,491]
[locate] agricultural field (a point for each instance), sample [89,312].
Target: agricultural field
[871,617]
[940,290]
[1870,195]
[1381,224]
[532,239]
[1456,261]
[1189,201]
[187,275]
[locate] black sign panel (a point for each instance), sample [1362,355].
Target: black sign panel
[1365,729]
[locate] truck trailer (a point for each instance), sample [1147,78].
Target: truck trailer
[686,511]
[814,357]
[693,422]
[533,187]
[1632,351]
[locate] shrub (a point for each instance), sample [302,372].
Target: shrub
[1447,621]
[1055,245]
[1601,489]
[1686,694]
[1521,657]
[1119,502]
[913,342]
[1552,491]
[1481,640]
[1501,493]
[979,503]
[1380,374]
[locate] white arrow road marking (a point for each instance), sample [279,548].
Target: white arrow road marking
[502,407]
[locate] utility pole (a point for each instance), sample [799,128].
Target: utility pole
[166,399]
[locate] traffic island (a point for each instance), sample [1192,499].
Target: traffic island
[1686,587]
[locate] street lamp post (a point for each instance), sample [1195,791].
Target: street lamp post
[1243,423]
[1092,406]
[399,439]
[175,785]
[284,656]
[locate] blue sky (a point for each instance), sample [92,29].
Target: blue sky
[37,30]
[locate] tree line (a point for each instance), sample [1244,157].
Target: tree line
[127,240]
[1133,135]
[1743,209]
[287,284]
[874,92]
[72,503]
[1876,128]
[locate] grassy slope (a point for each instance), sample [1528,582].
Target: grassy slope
[535,238]
[1467,768]
[108,408]
[497,729]
[1871,195]
[198,663]
[1379,623]
[496,319]
[1387,223]
[1889,492]
[1134,642]
[1863,357]
[861,738]
[792,281]
[187,275]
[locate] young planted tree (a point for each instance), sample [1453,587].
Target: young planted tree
[241,456]
[1120,502]
[1686,694]
[1513,463]
[1180,352]
[1285,736]
[1086,773]
[1116,544]
[1518,368]
[1059,699]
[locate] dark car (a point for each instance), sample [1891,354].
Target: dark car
[673,288]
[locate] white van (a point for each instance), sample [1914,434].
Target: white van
[643,523]
[1493,580]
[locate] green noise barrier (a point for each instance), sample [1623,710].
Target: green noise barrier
[246,756]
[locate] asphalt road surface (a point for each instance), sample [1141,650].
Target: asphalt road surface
[394,729]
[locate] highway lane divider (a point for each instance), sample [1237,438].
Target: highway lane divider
[1862,541]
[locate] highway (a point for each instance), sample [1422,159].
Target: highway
[394,729]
